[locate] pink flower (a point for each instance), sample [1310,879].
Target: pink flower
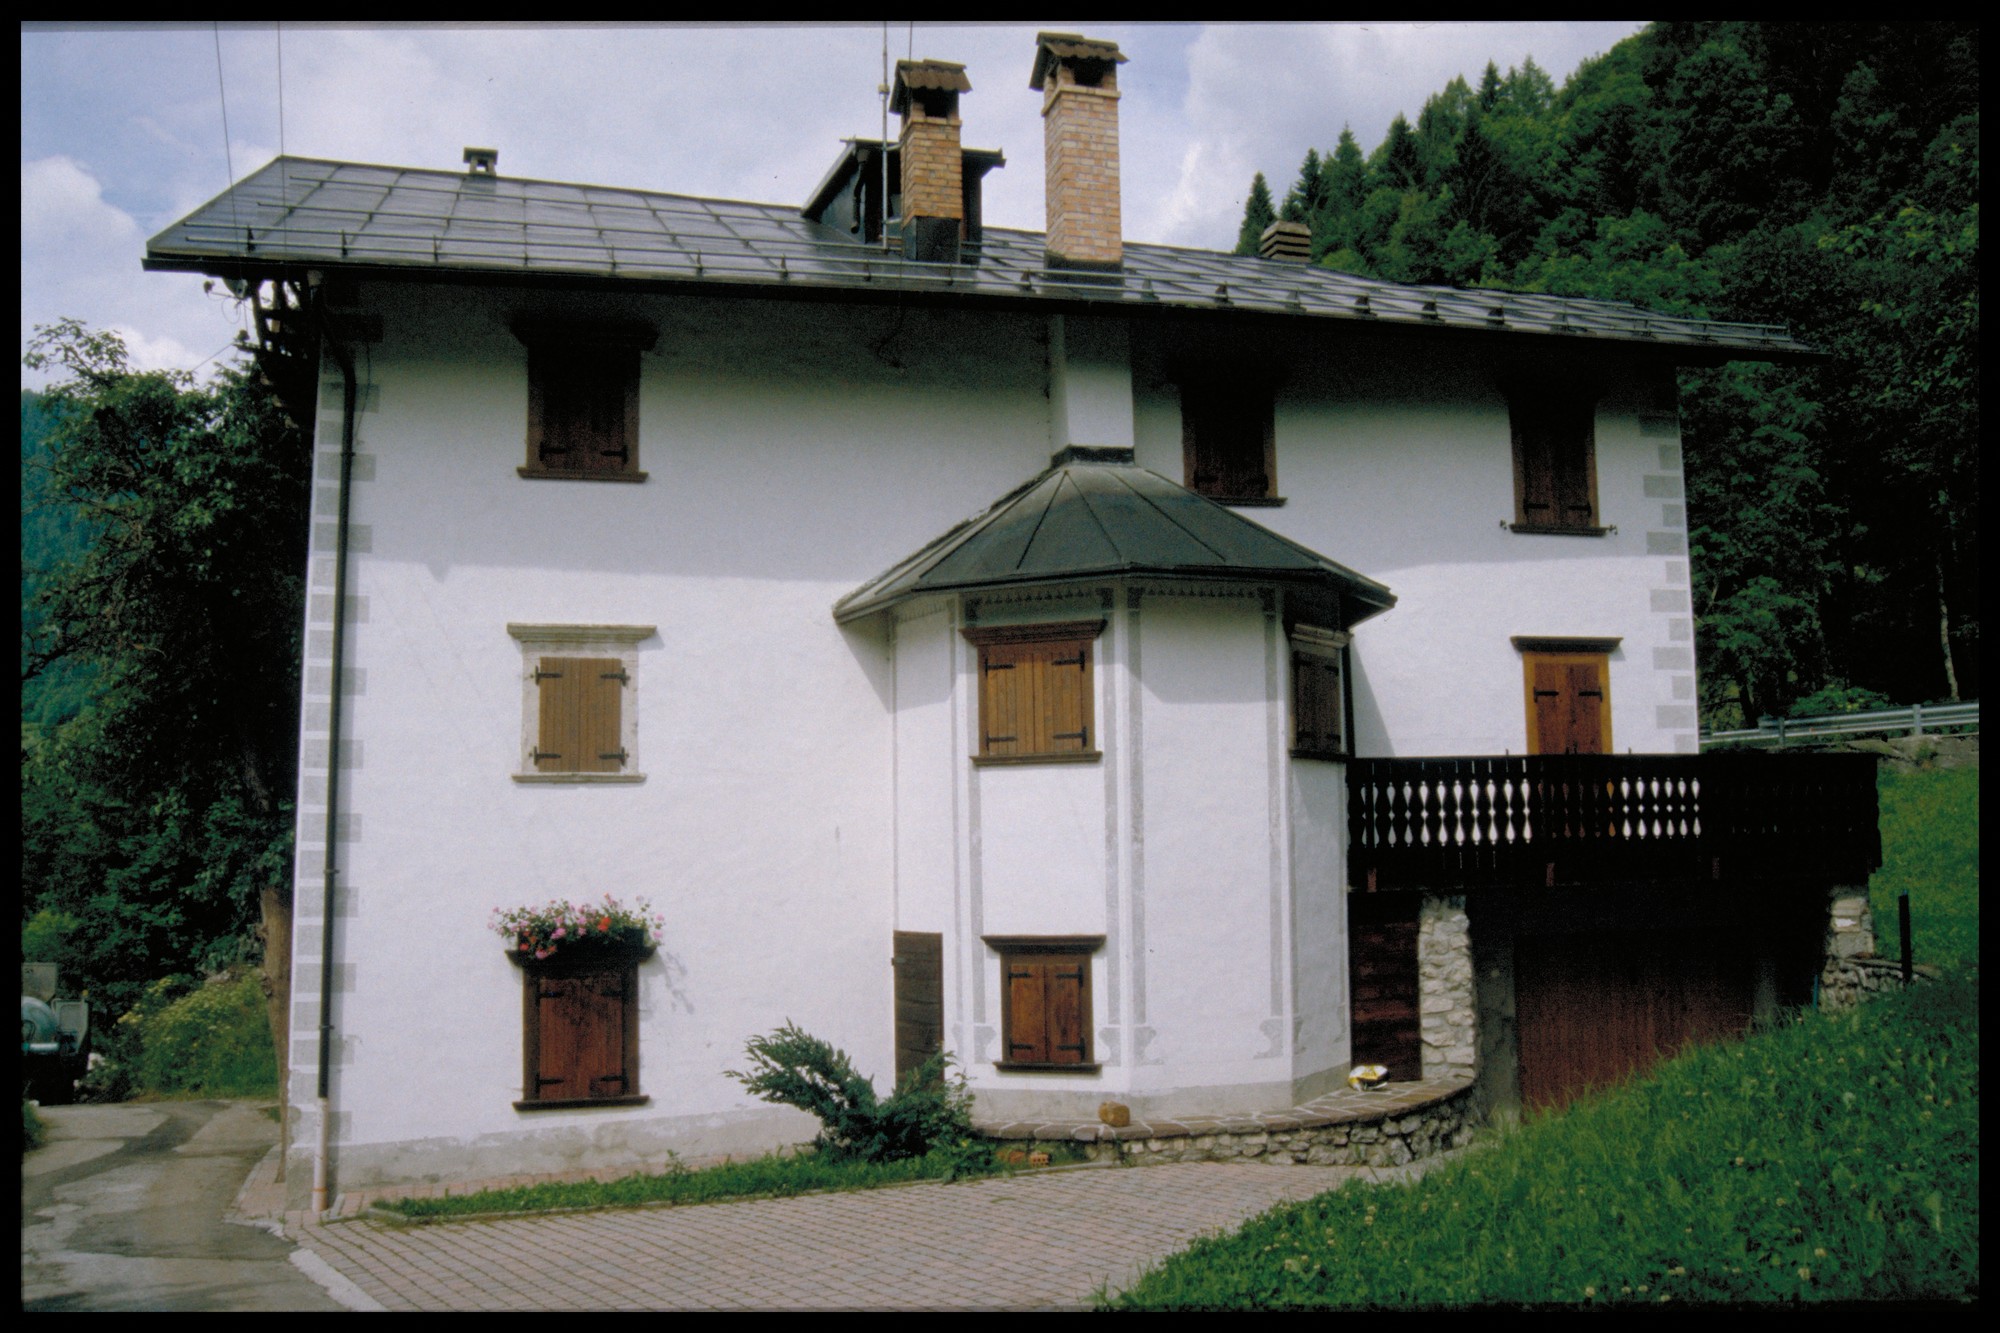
[560,931]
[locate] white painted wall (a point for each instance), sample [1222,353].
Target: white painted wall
[1395,459]
[763,830]
[809,787]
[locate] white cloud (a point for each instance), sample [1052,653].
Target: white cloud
[63,209]
[80,258]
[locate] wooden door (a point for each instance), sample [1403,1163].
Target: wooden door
[1383,984]
[919,964]
[1569,702]
[1591,1010]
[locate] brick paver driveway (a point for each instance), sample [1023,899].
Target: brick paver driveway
[1032,1241]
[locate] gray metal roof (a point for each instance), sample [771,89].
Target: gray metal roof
[299,212]
[1094,514]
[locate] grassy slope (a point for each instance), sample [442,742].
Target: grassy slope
[1930,848]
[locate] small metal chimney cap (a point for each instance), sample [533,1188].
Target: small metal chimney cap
[482,161]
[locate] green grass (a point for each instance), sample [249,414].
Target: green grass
[1833,1158]
[1930,849]
[771,1176]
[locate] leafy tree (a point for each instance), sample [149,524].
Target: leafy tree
[1257,215]
[160,817]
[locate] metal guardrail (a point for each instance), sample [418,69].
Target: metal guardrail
[1917,720]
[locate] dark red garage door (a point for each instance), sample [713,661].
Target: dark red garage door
[1593,1009]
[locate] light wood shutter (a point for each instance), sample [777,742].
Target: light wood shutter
[581,715]
[1036,697]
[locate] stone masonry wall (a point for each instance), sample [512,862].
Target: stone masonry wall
[1449,1016]
[1852,972]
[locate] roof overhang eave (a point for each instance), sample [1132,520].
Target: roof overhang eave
[1370,598]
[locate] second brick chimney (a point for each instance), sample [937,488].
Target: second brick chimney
[925,95]
[1078,80]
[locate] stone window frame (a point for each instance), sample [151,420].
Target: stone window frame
[618,643]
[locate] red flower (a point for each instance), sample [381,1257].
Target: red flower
[604,923]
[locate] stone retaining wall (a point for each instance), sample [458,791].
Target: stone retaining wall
[1852,972]
[1398,1124]
[1846,982]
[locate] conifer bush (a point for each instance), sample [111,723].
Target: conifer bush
[929,1109]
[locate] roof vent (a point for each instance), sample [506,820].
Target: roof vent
[482,161]
[1288,242]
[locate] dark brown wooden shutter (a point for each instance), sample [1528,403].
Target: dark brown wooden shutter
[580,1045]
[1048,1008]
[1570,463]
[1383,983]
[1553,461]
[1027,1009]
[1537,469]
[1225,442]
[583,409]
[1318,704]
[1068,1009]
[919,964]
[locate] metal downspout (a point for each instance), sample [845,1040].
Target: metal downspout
[348,400]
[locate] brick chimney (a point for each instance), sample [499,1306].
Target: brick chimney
[1078,81]
[925,95]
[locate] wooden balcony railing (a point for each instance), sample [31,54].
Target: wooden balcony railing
[1480,821]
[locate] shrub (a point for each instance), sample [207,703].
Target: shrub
[929,1109]
[213,1042]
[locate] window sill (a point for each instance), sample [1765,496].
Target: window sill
[1542,530]
[551,474]
[1007,760]
[1245,501]
[545,778]
[581,1103]
[1011,1067]
[1332,756]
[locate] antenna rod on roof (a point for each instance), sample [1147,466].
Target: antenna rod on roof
[883,89]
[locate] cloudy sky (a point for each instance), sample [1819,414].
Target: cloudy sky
[122,126]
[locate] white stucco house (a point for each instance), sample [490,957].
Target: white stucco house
[986,639]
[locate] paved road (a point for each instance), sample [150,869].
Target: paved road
[1039,1241]
[124,1209]
[132,1208]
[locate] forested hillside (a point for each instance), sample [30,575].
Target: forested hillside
[1824,176]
